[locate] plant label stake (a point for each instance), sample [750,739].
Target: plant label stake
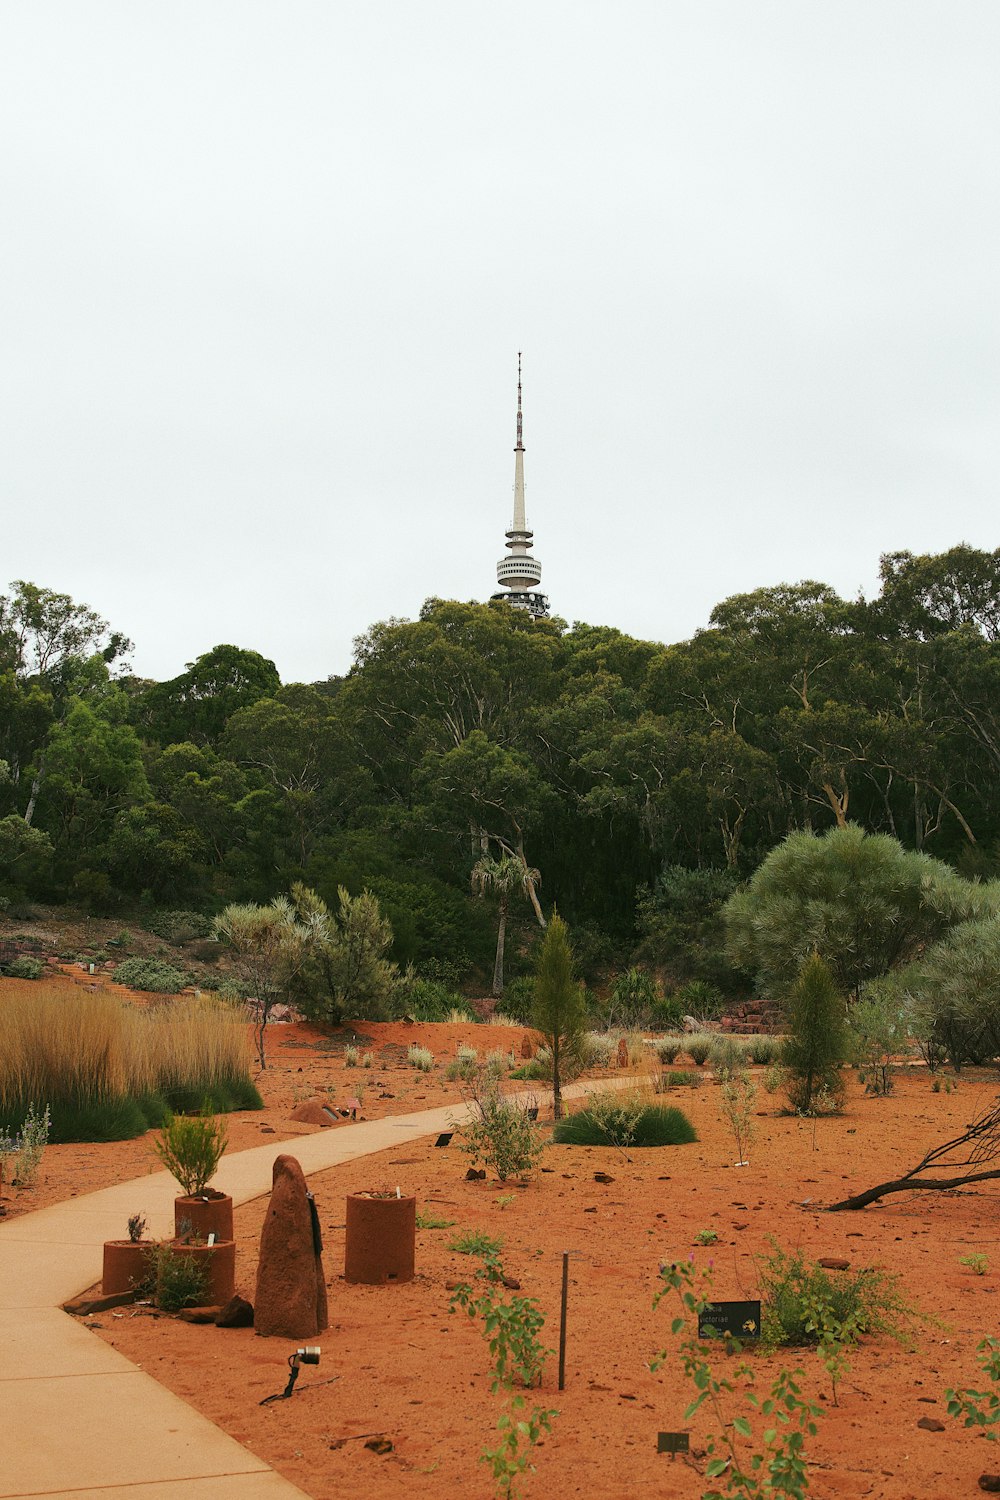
[562,1320]
[673,1443]
[731,1320]
[444,1139]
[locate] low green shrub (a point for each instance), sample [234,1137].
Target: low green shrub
[668,1047]
[177,1280]
[698,1046]
[21,1152]
[179,926]
[805,1304]
[763,1049]
[654,1125]
[727,1057]
[25,967]
[476,1242]
[463,1065]
[598,1049]
[150,974]
[429,1000]
[499,1134]
[421,1058]
[675,1078]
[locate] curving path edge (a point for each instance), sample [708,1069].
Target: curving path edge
[80,1421]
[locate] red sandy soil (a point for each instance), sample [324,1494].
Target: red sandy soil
[408,1370]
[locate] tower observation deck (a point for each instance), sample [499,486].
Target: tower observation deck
[518,572]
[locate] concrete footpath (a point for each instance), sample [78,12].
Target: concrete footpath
[78,1421]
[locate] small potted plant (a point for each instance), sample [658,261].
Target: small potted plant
[126,1262]
[216,1262]
[191,1147]
[381,1233]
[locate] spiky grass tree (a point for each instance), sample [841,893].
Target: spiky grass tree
[503,877]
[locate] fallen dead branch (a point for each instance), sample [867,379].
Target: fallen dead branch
[978,1143]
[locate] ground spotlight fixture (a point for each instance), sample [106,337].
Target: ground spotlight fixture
[308,1354]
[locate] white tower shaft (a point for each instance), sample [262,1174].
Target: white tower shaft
[519,572]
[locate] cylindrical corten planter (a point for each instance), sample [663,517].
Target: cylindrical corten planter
[219,1262]
[209,1213]
[125,1265]
[381,1239]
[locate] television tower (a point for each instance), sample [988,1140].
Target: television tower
[519,572]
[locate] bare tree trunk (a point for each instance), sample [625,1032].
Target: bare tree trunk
[498,962]
[29,811]
[557,1107]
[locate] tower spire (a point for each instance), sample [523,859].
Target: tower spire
[519,572]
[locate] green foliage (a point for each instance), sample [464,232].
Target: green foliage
[878,1032]
[633,998]
[775,1462]
[427,999]
[519,998]
[343,969]
[861,901]
[559,1011]
[21,1152]
[433,1221]
[978,1263]
[763,1049]
[698,1046]
[177,1280]
[954,992]
[668,1047]
[701,1000]
[150,974]
[737,1098]
[680,918]
[176,926]
[136,1227]
[727,1057]
[805,1304]
[817,1043]
[980,1409]
[476,1242]
[191,1147]
[498,1135]
[418,1057]
[512,1328]
[26,967]
[463,1065]
[621,1125]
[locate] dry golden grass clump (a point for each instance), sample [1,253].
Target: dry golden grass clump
[108,1070]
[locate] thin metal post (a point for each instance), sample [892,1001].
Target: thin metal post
[562,1322]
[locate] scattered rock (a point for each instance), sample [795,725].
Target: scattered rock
[291,1287]
[590,1210]
[990,1483]
[603,1177]
[512,1284]
[199,1314]
[472,1175]
[930,1424]
[834,1263]
[237,1313]
[379,1444]
[311,1112]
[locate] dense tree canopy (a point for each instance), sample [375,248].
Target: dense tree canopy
[643,782]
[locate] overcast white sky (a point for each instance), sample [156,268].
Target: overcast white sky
[267,265]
